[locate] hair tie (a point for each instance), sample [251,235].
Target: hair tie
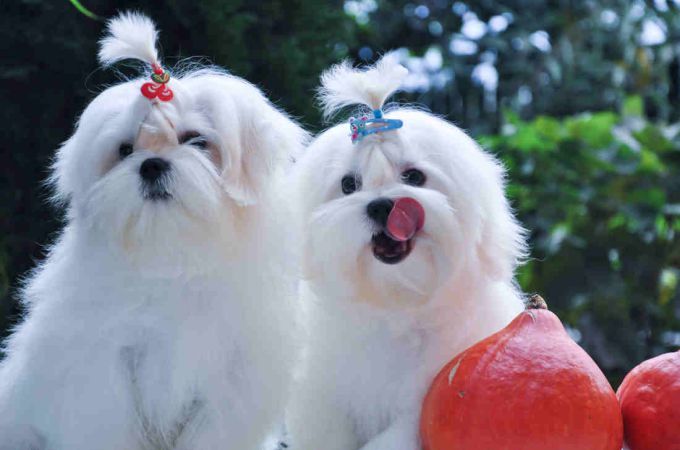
[158,88]
[360,128]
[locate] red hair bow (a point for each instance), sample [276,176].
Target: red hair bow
[158,88]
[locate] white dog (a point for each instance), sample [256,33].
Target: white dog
[409,258]
[159,320]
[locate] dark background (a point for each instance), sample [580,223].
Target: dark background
[580,99]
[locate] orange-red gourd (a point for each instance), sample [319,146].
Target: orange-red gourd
[650,402]
[527,387]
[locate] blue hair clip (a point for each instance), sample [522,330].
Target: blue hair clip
[360,129]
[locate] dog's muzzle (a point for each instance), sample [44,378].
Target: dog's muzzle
[398,222]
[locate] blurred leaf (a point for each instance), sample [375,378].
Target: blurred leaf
[653,139]
[653,197]
[594,129]
[83,10]
[549,127]
[668,284]
[633,106]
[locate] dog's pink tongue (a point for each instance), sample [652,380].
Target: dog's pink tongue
[405,219]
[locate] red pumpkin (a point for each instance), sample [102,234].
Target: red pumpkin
[650,402]
[527,387]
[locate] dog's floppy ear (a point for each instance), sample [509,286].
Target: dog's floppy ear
[502,245]
[72,171]
[58,181]
[268,141]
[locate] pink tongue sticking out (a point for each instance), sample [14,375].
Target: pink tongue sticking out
[405,219]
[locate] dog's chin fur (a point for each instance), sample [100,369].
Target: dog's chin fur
[379,332]
[160,320]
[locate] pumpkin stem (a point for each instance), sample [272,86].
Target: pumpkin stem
[536,302]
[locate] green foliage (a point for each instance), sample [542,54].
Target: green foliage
[600,194]
[551,58]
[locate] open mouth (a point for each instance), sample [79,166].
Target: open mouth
[157,195]
[388,250]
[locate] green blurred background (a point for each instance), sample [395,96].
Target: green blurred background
[580,99]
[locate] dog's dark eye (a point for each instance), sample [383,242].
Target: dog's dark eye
[350,183]
[414,177]
[124,150]
[194,138]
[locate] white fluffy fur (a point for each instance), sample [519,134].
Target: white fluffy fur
[378,333]
[130,36]
[343,85]
[160,324]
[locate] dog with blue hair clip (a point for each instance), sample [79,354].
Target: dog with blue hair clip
[365,126]
[409,247]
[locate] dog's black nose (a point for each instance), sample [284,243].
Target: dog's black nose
[379,209]
[153,168]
